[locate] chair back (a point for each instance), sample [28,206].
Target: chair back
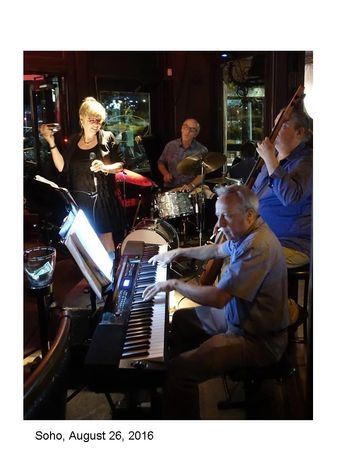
[45,389]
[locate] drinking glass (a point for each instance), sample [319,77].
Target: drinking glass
[54,127]
[39,265]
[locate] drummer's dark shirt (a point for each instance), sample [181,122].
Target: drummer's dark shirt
[173,153]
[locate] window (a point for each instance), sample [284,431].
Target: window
[244,117]
[244,104]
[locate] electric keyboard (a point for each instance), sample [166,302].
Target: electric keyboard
[132,331]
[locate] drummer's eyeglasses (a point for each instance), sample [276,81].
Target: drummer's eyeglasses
[190,128]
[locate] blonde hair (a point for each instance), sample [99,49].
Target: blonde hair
[90,107]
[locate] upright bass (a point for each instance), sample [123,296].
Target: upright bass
[213,266]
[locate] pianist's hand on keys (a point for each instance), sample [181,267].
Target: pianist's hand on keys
[165,258]
[152,290]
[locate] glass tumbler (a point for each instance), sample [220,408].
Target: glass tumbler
[39,265]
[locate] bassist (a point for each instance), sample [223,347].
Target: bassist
[284,186]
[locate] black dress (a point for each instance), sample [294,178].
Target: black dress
[100,206]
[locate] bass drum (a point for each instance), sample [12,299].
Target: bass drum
[153,231]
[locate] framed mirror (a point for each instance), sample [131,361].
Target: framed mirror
[129,117]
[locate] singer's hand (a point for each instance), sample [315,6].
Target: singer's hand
[97,166]
[47,133]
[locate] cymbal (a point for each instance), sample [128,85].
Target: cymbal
[192,165]
[223,181]
[134,178]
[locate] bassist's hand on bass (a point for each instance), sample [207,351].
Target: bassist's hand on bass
[267,152]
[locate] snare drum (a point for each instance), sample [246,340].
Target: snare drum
[153,231]
[173,204]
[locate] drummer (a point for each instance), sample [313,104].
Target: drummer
[177,150]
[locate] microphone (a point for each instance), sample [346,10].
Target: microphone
[93,157]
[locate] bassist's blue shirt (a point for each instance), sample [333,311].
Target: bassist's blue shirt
[286,199]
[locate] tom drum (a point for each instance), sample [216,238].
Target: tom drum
[173,204]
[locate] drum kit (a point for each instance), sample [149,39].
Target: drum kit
[175,204]
[225,181]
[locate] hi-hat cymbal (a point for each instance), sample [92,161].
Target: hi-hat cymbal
[192,165]
[224,181]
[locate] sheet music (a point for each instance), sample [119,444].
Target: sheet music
[93,265]
[89,253]
[83,266]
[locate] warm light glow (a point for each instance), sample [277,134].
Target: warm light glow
[33,77]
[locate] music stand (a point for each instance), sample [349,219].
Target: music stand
[84,245]
[88,252]
[70,203]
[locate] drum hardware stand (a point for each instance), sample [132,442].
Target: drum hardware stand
[200,209]
[190,165]
[124,204]
[184,230]
[155,190]
[152,208]
[136,212]
[185,239]
[196,210]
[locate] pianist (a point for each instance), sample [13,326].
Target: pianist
[242,320]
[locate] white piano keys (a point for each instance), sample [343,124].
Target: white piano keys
[156,348]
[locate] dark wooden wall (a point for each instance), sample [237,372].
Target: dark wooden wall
[193,90]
